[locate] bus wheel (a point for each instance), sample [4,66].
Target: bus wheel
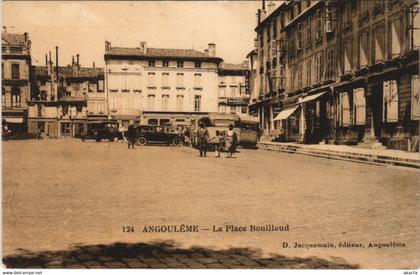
[142,141]
[176,142]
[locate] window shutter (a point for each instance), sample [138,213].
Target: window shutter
[359,102]
[392,102]
[396,36]
[346,109]
[415,97]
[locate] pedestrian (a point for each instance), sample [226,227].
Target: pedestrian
[38,133]
[122,131]
[231,140]
[217,141]
[131,136]
[202,139]
[5,129]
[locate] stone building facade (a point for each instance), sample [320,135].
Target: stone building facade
[233,92]
[64,99]
[341,72]
[174,82]
[16,63]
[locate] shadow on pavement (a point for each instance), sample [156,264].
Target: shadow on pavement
[164,254]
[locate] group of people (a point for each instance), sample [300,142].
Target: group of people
[222,141]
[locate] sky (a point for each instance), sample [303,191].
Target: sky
[83,27]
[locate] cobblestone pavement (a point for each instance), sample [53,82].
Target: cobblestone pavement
[65,203]
[164,255]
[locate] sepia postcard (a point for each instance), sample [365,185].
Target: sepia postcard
[210,135]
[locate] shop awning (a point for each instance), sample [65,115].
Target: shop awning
[13,119]
[311,97]
[285,113]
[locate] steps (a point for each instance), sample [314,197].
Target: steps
[347,153]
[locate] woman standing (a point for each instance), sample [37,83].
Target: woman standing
[231,140]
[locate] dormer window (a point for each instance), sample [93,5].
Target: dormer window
[197,64]
[151,63]
[180,64]
[165,63]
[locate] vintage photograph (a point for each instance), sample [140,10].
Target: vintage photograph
[210,135]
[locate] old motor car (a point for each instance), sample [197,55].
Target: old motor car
[102,129]
[146,134]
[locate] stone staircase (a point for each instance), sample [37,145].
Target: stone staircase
[347,153]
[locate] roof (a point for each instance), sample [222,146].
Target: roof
[14,38]
[68,71]
[158,53]
[271,15]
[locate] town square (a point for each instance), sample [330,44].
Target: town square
[210,134]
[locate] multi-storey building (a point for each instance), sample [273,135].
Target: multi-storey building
[63,99]
[160,81]
[233,92]
[16,62]
[347,72]
[377,93]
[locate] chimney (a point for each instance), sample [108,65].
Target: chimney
[56,62]
[4,29]
[49,64]
[77,60]
[255,43]
[93,65]
[263,5]
[212,50]
[107,46]
[259,16]
[46,60]
[72,60]
[206,52]
[26,36]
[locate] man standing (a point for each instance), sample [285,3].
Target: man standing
[202,139]
[131,136]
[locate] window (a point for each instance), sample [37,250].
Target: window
[125,91]
[197,103]
[359,106]
[113,91]
[3,97]
[348,56]
[414,30]
[179,103]
[16,97]
[318,67]
[15,71]
[395,36]
[179,80]
[308,71]
[330,64]
[345,109]
[299,75]
[151,63]
[329,18]
[165,80]
[319,25]
[415,97]
[197,64]
[233,91]
[180,64]
[390,101]
[222,107]
[308,33]
[222,91]
[363,49]
[299,38]
[65,127]
[100,88]
[151,102]
[137,91]
[379,43]
[3,49]
[165,63]
[151,79]
[197,81]
[165,102]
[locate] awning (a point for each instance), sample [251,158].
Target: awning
[311,97]
[13,119]
[285,113]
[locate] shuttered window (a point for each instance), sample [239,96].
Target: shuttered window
[348,56]
[363,49]
[415,97]
[395,34]
[359,106]
[345,109]
[379,43]
[390,101]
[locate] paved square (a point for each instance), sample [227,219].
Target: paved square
[59,195]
